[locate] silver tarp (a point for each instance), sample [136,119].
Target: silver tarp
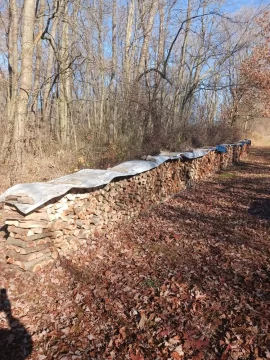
[42,192]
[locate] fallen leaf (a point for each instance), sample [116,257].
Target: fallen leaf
[142,320]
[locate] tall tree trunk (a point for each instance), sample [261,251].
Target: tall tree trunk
[114,53]
[64,88]
[113,83]
[130,19]
[161,37]
[101,66]
[49,73]
[24,95]
[13,75]
[181,74]
[147,25]
[36,113]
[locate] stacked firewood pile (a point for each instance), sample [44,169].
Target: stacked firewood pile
[63,225]
[30,241]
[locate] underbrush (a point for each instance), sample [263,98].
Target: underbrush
[50,159]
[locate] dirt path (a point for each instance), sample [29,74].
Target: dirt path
[189,279]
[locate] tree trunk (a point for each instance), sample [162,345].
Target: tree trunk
[130,19]
[101,66]
[64,87]
[36,113]
[147,25]
[13,76]
[24,95]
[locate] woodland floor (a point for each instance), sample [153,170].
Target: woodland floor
[188,279]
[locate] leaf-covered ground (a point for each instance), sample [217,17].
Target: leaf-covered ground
[188,279]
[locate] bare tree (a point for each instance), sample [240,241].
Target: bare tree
[120,78]
[25,90]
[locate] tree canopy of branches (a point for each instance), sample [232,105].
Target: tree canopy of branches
[123,75]
[255,69]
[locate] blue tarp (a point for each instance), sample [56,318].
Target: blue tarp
[221,148]
[244,142]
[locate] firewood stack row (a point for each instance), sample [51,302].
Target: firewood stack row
[60,227]
[30,241]
[227,158]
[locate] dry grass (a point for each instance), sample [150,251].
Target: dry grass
[42,168]
[259,132]
[47,159]
[261,139]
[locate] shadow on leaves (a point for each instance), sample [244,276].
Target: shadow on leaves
[260,208]
[15,341]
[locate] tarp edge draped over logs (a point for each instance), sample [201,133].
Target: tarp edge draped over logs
[30,196]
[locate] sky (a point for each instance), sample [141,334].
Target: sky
[232,6]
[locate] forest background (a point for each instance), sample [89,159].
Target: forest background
[93,83]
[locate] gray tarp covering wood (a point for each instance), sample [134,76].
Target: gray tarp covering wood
[42,192]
